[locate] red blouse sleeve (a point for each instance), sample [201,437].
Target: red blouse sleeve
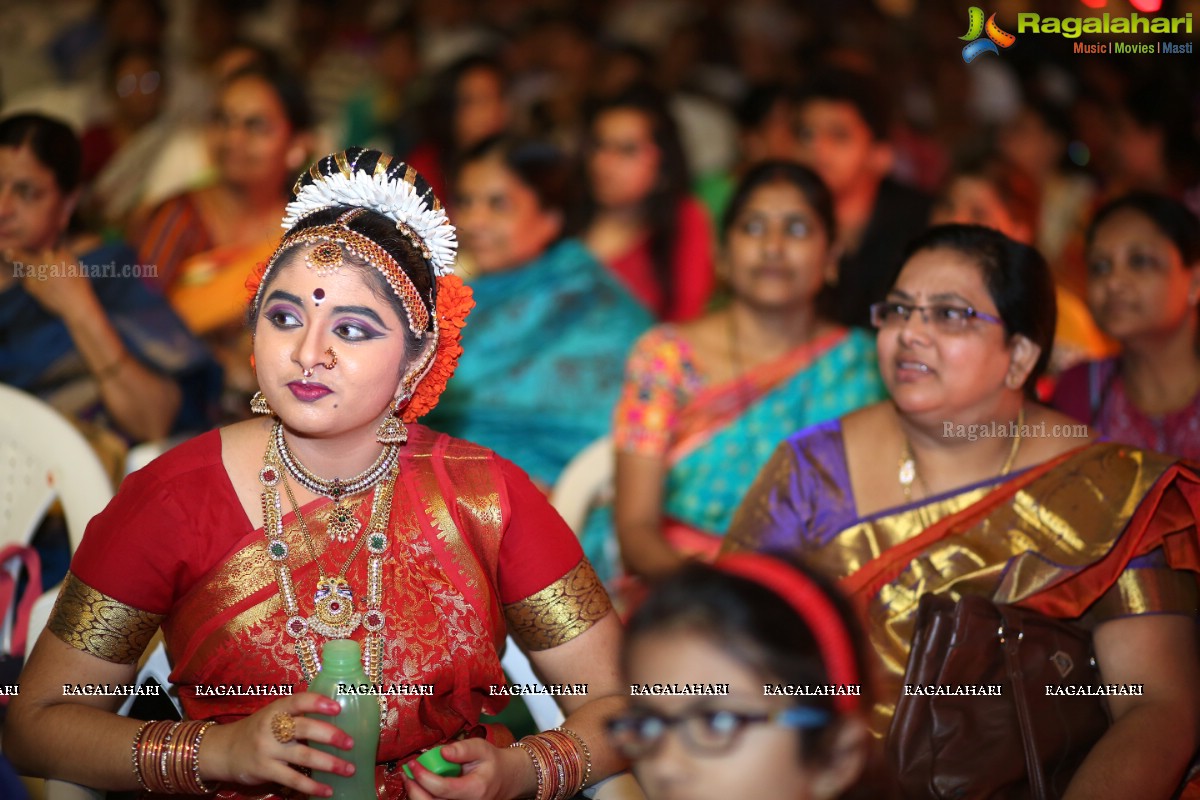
[549,590]
[694,261]
[163,530]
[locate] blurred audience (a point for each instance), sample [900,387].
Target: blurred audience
[206,242]
[117,149]
[990,191]
[542,360]
[766,130]
[1144,290]
[1036,141]
[637,214]
[705,403]
[77,326]
[386,114]
[843,122]
[467,104]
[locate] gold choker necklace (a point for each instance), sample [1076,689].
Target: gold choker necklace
[342,525]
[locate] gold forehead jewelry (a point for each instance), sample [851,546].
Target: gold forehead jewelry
[325,258]
[361,247]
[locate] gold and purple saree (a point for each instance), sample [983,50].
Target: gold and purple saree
[1100,532]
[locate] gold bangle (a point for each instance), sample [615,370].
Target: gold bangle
[587,754]
[112,369]
[197,784]
[165,761]
[151,750]
[133,756]
[539,793]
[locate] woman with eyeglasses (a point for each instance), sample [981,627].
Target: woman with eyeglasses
[775,662]
[962,484]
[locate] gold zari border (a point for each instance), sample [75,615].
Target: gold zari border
[1147,591]
[561,611]
[97,624]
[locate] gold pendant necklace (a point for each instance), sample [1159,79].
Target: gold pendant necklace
[334,614]
[343,525]
[907,472]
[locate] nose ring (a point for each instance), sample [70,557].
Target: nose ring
[332,358]
[308,373]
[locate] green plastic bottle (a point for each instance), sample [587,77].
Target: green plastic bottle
[341,664]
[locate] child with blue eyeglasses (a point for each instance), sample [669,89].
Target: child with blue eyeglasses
[746,680]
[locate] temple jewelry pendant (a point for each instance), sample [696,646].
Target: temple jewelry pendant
[334,616]
[343,525]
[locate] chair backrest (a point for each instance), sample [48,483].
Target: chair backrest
[585,483]
[43,458]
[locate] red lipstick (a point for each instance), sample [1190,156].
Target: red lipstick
[309,392]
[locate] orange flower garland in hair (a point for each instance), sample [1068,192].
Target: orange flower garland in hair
[254,280]
[454,303]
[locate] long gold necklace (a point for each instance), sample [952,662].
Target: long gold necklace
[907,473]
[334,615]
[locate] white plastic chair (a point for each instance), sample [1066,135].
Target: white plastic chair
[43,458]
[585,483]
[582,481]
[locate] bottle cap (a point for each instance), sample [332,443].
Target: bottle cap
[435,762]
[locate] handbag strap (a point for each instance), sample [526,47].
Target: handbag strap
[1010,643]
[27,558]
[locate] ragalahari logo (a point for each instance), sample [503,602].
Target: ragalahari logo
[996,38]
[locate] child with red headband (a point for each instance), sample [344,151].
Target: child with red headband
[746,681]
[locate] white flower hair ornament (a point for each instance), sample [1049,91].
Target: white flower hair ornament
[397,199]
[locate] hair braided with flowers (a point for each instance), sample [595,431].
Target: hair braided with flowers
[340,199]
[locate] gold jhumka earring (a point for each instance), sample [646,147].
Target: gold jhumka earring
[258,404]
[392,430]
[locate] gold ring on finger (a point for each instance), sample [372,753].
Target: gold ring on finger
[283,725]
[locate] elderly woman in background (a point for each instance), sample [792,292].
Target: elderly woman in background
[78,328]
[705,403]
[332,517]
[1144,289]
[905,498]
[551,327]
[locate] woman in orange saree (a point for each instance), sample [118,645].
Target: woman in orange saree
[960,484]
[205,243]
[249,559]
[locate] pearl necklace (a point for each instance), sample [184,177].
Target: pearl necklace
[342,526]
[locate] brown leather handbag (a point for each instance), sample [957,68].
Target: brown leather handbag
[949,741]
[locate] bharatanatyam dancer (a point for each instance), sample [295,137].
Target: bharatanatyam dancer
[333,515]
